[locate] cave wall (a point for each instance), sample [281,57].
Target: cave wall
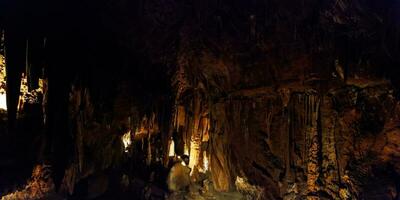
[290,114]
[303,141]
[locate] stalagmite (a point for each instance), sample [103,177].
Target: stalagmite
[171,152]
[205,161]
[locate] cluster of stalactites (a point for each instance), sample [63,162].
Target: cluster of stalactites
[30,96]
[193,133]
[146,130]
[148,125]
[26,94]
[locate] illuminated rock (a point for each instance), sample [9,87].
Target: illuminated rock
[178,177]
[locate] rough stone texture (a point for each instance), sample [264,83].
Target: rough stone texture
[303,136]
[178,178]
[307,140]
[40,186]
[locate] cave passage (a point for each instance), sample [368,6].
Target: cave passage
[200,99]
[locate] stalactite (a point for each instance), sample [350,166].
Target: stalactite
[177,132]
[180,117]
[185,136]
[187,130]
[243,119]
[27,63]
[36,61]
[294,138]
[328,148]
[305,135]
[79,141]
[287,144]
[219,153]
[2,44]
[206,127]
[195,140]
[44,99]
[313,145]
[290,158]
[149,143]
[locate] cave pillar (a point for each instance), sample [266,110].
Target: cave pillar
[313,145]
[195,139]
[220,151]
[328,148]
[181,125]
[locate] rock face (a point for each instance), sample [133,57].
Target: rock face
[296,130]
[38,187]
[178,177]
[317,145]
[310,135]
[302,123]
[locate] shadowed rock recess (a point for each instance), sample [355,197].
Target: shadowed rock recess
[200,99]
